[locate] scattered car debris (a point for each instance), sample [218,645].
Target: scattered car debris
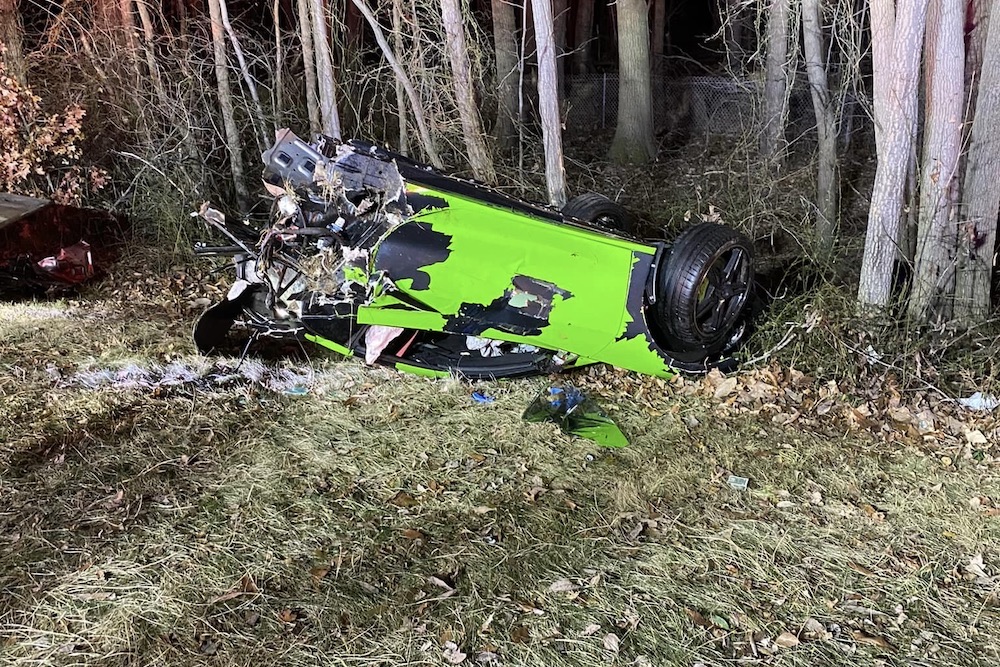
[371,254]
[980,402]
[43,246]
[576,414]
[480,397]
[738,483]
[293,381]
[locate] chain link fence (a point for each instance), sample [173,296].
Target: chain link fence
[703,106]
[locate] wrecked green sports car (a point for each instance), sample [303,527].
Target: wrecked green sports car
[369,253]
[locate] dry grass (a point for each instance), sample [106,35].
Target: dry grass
[388,519]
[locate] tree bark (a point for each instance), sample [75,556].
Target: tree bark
[658,38]
[895,114]
[329,116]
[415,106]
[226,103]
[548,102]
[560,18]
[827,180]
[977,232]
[279,65]
[309,64]
[403,140]
[634,141]
[263,140]
[776,75]
[11,34]
[505,48]
[465,96]
[933,276]
[583,34]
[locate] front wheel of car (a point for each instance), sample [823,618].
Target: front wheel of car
[601,211]
[704,289]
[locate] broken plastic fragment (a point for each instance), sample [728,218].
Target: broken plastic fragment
[738,483]
[377,338]
[980,401]
[576,414]
[72,265]
[480,397]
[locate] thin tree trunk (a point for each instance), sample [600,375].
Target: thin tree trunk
[465,96]
[403,142]
[560,18]
[827,181]
[634,141]
[505,47]
[329,116]
[584,31]
[933,277]
[309,64]
[226,103]
[981,194]
[11,34]
[658,38]
[415,106]
[776,75]
[732,27]
[548,102]
[262,139]
[895,114]
[279,66]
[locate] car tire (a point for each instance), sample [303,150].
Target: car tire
[704,288]
[598,210]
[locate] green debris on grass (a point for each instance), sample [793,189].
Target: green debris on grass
[387,519]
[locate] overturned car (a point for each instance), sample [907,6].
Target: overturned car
[369,253]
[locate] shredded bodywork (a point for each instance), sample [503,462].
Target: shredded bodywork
[371,254]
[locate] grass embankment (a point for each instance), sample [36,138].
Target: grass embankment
[387,519]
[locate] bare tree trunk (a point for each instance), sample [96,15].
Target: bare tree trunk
[977,232]
[776,76]
[262,139]
[560,18]
[465,96]
[732,28]
[309,63]
[548,102]
[634,141]
[933,278]
[403,142]
[827,181]
[658,38]
[584,30]
[279,65]
[895,114]
[329,116]
[415,106]
[226,103]
[505,47]
[11,34]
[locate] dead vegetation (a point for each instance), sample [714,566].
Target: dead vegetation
[385,519]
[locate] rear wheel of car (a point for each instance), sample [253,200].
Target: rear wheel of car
[601,211]
[704,288]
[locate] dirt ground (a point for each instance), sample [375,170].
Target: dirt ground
[157,508]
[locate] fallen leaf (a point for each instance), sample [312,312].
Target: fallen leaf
[402,499]
[872,640]
[482,509]
[860,569]
[412,534]
[562,586]
[520,635]
[725,388]
[288,616]
[611,642]
[697,618]
[787,640]
[814,627]
[976,437]
[319,571]
[452,654]
[590,629]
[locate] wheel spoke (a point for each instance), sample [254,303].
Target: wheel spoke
[734,266]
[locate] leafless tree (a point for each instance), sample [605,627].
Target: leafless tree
[944,69]
[897,36]
[548,102]
[634,141]
[465,98]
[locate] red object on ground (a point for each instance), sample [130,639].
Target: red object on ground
[72,265]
